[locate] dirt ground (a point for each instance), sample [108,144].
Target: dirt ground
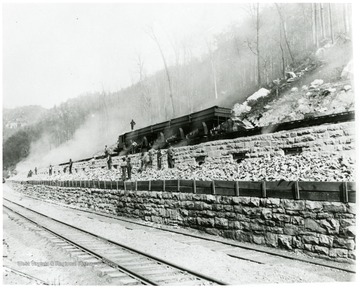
[30,253]
[191,254]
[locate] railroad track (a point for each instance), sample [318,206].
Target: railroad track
[253,255]
[37,281]
[126,265]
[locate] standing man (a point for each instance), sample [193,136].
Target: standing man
[133,147]
[93,163]
[70,166]
[158,154]
[106,151]
[50,170]
[151,151]
[128,166]
[145,160]
[35,170]
[123,166]
[141,161]
[170,157]
[132,124]
[109,161]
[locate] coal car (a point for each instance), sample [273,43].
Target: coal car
[178,131]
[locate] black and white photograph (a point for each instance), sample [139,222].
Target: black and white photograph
[174,143]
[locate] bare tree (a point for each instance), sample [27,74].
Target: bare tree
[331,23]
[313,22]
[153,36]
[213,69]
[187,74]
[253,10]
[282,54]
[104,108]
[345,17]
[305,20]
[140,66]
[316,25]
[322,21]
[257,44]
[144,91]
[283,24]
[176,44]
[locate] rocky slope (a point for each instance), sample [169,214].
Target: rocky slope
[319,86]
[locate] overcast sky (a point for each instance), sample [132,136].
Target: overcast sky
[52,52]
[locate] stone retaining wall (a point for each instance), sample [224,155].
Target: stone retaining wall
[330,138]
[319,228]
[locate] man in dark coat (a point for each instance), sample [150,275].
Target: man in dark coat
[128,166]
[109,161]
[170,156]
[132,124]
[123,166]
[70,166]
[158,154]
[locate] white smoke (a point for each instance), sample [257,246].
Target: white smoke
[98,130]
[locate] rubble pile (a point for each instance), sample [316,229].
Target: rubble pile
[317,99]
[239,110]
[304,167]
[289,99]
[290,168]
[347,73]
[249,108]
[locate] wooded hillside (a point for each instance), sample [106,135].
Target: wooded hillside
[273,39]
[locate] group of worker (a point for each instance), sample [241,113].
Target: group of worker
[64,169]
[125,166]
[146,160]
[30,173]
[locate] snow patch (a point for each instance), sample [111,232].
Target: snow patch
[347,72]
[239,109]
[316,83]
[258,94]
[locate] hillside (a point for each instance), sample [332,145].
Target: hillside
[240,60]
[322,87]
[19,117]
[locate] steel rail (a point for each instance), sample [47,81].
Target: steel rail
[37,280]
[103,259]
[310,261]
[179,267]
[313,262]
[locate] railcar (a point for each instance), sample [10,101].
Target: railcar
[197,124]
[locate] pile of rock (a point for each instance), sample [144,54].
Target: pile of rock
[290,168]
[265,107]
[304,167]
[241,109]
[316,99]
